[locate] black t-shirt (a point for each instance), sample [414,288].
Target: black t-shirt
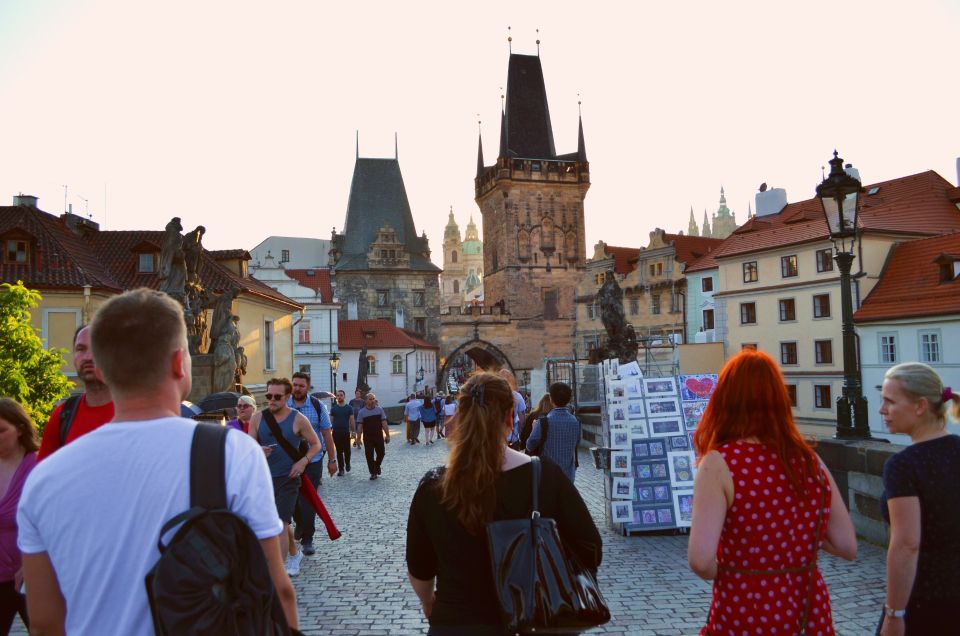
[931,471]
[340,417]
[439,546]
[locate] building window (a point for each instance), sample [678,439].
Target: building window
[706,284]
[788,309]
[674,302]
[453,256]
[284,256]
[823,351]
[888,348]
[792,394]
[372,365]
[397,364]
[788,266]
[707,319]
[383,297]
[825,260]
[16,251]
[656,269]
[929,346]
[634,306]
[303,333]
[420,325]
[821,306]
[146,264]
[456,287]
[550,300]
[305,368]
[750,274]
[418,298]
[600,278]
[592,311]
[748,313]
[821,396]
[269,361]
[788,353]
[655,303]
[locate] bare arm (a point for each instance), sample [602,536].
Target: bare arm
[281,581]
[353,425]
[425,592]
[841,538]
[902,557]
[331,451]
[47,608]
[302,427]
[386,430]
[254,427]
[712,496]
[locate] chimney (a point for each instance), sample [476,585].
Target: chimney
[30,201]
[771,202]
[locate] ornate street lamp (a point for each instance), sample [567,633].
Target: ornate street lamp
[839,194]
[334,367]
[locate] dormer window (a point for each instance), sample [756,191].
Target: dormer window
[147,263]
[17,251]
[949,267]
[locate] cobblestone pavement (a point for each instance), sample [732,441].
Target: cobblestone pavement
[358,584]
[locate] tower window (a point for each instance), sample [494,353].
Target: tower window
[453,256]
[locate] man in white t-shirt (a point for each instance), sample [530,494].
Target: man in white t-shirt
[90,515]
[411,416]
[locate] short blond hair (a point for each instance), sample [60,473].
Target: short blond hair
[133,335]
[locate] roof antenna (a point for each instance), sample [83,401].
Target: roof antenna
[538,42]
[358,144]
[86,206]
[64,199]
[509,41]
[396,147]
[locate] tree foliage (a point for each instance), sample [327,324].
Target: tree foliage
[29,373]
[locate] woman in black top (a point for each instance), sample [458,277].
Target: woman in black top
[483,481]
[922,504]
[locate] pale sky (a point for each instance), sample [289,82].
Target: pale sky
[242,116]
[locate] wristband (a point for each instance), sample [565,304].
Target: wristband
[332,461]
[892,613]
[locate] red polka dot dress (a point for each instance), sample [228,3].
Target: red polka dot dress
[766,549]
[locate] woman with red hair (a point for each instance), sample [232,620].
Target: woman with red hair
[763,507]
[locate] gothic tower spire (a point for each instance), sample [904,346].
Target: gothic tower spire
[692,229]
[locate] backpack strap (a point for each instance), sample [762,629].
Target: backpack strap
[208,481]
[535,480]
[67,412]
[294,454]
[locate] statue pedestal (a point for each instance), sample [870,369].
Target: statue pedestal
[202,377]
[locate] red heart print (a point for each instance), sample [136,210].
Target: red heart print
[701,388]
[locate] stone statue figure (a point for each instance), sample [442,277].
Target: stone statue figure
[621,337]
[241,365]
[223,313]
[173,264]
[193,249]
[224,364]
[363,368]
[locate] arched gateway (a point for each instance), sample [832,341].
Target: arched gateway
[471,355]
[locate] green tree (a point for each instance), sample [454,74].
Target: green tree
[29,373]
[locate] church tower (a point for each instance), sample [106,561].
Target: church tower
[724,221]
[692,229]
[531,201]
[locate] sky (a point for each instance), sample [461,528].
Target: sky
[242,116]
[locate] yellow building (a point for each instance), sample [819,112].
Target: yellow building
[77,267]
[779,288]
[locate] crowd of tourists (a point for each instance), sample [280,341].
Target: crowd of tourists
[83,508]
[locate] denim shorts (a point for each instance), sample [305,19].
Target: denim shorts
[285,491]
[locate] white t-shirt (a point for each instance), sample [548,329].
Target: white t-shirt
[96,507]
[449,410]
[412,410]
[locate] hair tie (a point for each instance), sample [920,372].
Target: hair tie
[947,394]
[476,393]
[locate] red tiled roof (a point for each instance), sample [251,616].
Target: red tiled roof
[221,255]
[705,262]
[918,204]
[909,285]
[105,260]
[377,334]
[623,258]
[690,248]
[317,279]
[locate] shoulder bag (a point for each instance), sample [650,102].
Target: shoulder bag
[540,587]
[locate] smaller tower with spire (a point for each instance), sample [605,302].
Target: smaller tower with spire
[705,230]
[692,229]
[462,278]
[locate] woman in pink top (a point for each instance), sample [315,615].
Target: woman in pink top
[18,456]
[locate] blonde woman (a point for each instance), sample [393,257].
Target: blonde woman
[922,504]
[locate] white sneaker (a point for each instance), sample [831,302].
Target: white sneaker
[293,563]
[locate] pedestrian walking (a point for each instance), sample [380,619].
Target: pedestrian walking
[344,429]
[374,429]
[557,436]
[764,505]
[411,417]
[246,407]
[428,416]
[519,409]
[441,416]
[921,503]
[448,559]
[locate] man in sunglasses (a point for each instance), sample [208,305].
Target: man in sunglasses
[293,427]
[246,407]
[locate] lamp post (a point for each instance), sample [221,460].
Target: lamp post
[839,194]
[334,367]
[418,378]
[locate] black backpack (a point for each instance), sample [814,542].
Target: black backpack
[212,576]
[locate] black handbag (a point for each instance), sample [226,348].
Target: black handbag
[541,588]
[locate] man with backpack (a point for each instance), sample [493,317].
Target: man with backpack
[91,515]
[558,434]
[79,414]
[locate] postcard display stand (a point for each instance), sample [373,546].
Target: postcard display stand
[648,424]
